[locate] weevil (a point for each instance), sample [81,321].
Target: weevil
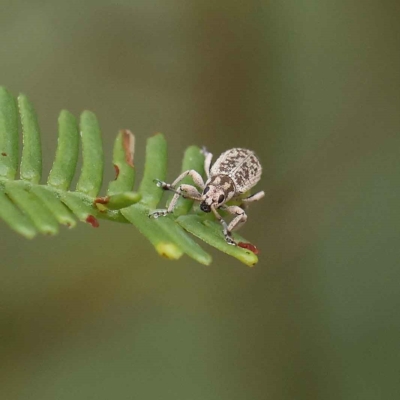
[234,173]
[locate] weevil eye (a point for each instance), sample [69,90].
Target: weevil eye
[206,190]
[221,198]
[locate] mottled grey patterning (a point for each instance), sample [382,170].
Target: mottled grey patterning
[241,165]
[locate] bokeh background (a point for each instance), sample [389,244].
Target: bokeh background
[314,87]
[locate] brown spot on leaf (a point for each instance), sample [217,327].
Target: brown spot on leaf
[249,246]
[92,221]
[128,141]
[116,171]
[4,154]
[102,200]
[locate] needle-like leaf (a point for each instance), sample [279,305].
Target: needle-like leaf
[124,148]
[8,135]
[64,165]
[31,163]
[92,150]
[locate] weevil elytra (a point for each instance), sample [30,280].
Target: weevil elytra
[234,173]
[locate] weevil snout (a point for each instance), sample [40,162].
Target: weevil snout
[212,196]
[205,207]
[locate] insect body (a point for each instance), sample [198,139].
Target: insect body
[234,173]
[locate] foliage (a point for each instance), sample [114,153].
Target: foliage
[30,207]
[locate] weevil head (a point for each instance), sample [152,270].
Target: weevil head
[217,191]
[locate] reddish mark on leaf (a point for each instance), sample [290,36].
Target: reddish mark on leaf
[92,221]
[4,154]
[102,200]
[248,246]
[116,171]
[128,142]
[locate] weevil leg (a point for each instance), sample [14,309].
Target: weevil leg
[197,179]
[246,201]
[192,191]
[164,185]
[225,228]
[254,197]
[207,161]
[239,220]
[186,191]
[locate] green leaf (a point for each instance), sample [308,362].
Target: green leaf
[17,221]
[124,148]
[155,168]
[29,204]
[138,215]
[8,135]
[64,165]
[117,201]
[92,152]
[51,200]
[31,163]
[211,233]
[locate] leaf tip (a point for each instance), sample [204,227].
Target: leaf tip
[22,97]
[158,136]
[168,250]
[3,91]
[88,113]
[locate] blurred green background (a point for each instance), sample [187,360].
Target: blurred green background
[313,87]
